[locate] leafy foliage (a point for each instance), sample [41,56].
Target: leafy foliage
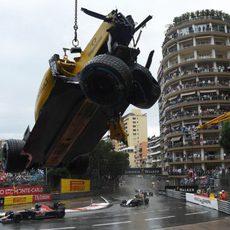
[54,176]
[107,164]
[225,136]
[214,14]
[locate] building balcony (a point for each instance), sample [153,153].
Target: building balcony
[190,47]
[182,36]
[210,130]
[176,76]
[199,161]
[199,86]
[194,100]
[204,17]
[187,117]
[154,153]
[193,144]
[189,130]
[201,61]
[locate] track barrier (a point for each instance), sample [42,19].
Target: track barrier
[213,203]
[176,194]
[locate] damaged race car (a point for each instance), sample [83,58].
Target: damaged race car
[79,100]
[39,211]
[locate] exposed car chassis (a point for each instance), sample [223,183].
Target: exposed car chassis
[79,101]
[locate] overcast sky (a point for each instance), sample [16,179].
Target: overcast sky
[31,31]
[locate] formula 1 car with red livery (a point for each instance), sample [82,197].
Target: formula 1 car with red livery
[80,100]
[39,211]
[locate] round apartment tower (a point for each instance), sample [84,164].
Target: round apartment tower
[195,81]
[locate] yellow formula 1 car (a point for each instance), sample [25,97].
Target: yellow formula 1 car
[78,101]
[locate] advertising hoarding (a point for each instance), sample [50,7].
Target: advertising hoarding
[141,171]
[10,200]
[75,185]
[21,190]
[42,197]
[204,201]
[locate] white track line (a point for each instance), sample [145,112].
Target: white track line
[160,218]
[195,213]
[58,228]
[112,223]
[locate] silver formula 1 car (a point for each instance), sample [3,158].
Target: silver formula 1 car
[134,202]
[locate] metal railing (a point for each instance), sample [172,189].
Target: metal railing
[176,194]
[224,206]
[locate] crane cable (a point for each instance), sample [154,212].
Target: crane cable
[75,41]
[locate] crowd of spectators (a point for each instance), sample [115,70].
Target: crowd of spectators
[201,69]
[196,29]
[202,97]
[198,176]
[191,142]
[193,156]
[26,178]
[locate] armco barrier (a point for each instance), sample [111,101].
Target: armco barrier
[224,206]
[176,194]
[202,200]
[219,205]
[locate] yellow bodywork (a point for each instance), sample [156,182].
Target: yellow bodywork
[221,118]
[70,69]
[117,131]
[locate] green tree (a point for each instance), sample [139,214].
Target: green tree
[207,13]
[192,15]
[107,165]
[176,20]
[225,137]
[212,13]
[54,176]
[117,163]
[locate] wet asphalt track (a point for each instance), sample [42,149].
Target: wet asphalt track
[162,212]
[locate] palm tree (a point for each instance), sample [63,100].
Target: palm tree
[212,13]
[176,20]
[202,13]
[192,15]
[207,13]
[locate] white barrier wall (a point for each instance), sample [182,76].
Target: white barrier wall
[204,201]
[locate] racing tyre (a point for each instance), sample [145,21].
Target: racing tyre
[146,201]
[145,89]
[11,158]
[61,214]
[17,218]
[123,202]
[105,80]
[31,216]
